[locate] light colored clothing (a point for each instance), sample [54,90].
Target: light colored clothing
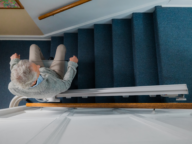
[51,84]
[39,80]
[36,56]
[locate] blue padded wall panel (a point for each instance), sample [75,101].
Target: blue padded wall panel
[71,43]
[55,42]
[144,53]
[86,70]
[174,46]
[122,57]
[103,59]
[7,49]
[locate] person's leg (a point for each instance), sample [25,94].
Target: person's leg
[59,61]
[35,55]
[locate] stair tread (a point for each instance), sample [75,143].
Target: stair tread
[122,56]
[55,41]
[103,59]
[86,69]
[71,43]
[173,35]
[144,53]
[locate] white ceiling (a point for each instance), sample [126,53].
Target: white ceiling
[85,15]
[81,14]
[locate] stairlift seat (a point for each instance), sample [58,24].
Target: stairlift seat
[17,99]
[47,63]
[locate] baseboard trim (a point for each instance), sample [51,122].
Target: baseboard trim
[23,37]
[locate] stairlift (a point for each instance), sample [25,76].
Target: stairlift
[17,99]
[171,91]
[47,63]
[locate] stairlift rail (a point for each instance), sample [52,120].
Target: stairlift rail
[163,90]
[172,91]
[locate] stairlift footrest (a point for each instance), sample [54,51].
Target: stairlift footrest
[181,98]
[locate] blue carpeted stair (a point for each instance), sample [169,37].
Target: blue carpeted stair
[71,43]
[86,68]
[123,71]
[148,49]
[55,41]
[144,53]
[103,59]
[173,31]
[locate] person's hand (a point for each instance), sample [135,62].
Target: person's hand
[74,59]
[14,56]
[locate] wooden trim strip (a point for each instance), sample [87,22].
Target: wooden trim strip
[115,105]
[19,3]
[63,9]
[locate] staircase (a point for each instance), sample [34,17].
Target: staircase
[148,49]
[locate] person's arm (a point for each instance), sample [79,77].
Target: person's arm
[70,74]
[15,58]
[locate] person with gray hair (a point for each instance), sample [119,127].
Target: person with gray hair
[31,79]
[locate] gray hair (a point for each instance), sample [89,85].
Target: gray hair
[22,74]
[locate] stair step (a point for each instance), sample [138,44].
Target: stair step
[174,46]
[122,56]
[71,43]
[144,53]
[55,42]
[103,59]
[86,70]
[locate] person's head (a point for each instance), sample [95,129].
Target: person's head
[24,74]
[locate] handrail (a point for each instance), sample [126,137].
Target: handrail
[63,9]
[115,105]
